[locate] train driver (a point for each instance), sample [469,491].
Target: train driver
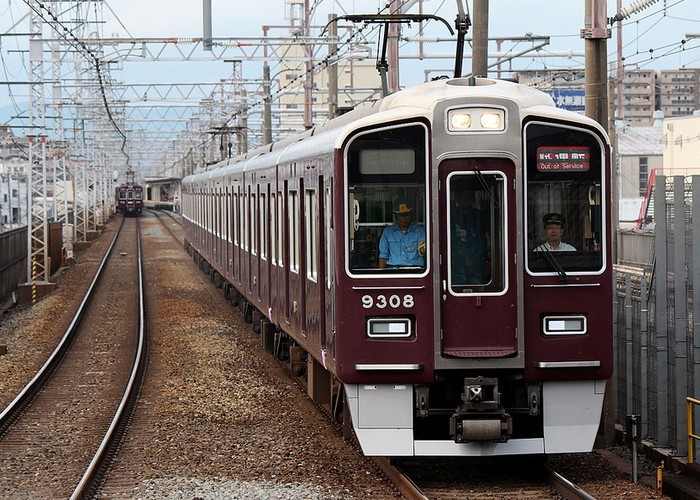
[402,243]
[554,231]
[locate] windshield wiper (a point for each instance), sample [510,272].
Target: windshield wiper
[485,186]
[553,262]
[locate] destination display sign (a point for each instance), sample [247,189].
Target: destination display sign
[563,158]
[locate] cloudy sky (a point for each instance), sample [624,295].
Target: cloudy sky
[651,38]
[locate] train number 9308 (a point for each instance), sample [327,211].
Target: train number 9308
[392,301]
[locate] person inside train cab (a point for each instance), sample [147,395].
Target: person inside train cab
[554,232]
[469,242]
[402,243]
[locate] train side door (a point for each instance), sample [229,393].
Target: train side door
[478,271]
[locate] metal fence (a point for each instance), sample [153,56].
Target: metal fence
[657,343]
[13,261]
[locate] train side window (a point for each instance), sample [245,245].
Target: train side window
[280,228]
[293,231]
[235,222]
[565,190]
[253,224]
[311,235]
[381,167]
[263,225]
[273,227]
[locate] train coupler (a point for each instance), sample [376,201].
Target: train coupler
[480,417]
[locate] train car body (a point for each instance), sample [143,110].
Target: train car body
[129,199]
[488,346]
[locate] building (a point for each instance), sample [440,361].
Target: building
[674,92]
[639,96]
[14,162]
[681,145]
[679,91]
[638,152]
[357,81]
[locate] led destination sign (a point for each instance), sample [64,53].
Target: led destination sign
[563,158]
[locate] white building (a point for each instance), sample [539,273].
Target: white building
[681,145]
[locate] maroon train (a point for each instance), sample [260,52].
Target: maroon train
[129,199]
[487,346]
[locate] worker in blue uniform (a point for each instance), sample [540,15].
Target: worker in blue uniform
[403,243]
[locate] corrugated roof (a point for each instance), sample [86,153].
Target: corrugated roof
[639,141]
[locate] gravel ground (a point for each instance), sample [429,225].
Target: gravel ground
[216,418]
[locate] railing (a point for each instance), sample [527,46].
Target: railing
[689,402]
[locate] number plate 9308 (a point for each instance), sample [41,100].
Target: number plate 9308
[392,301]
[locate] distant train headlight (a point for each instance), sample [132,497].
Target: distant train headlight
[388,327]
[476,119]
[564,325]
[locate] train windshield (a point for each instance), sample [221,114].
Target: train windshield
[386,201]
[475,218]
[564,200]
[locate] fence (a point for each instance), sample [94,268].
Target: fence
[13,261]
[657,344]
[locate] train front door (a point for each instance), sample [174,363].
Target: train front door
[478,271]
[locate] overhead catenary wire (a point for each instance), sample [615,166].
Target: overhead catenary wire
[67,34]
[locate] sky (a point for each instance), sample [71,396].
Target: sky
[651,38]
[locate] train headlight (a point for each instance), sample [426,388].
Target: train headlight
[491,121]
[388,327]
[460,121]
[564,325]
[476,120]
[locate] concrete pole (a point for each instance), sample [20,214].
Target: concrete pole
[308,65]
[267,107]
[596,38]
[480,38]
[206,28]
[393,48]
[332,68]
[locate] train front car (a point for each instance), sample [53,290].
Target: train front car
[462,327]
[129,199]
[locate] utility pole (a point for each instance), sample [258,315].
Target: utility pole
[308,65]
[332,67]
[393,32]
[480,38]
[596,34]
[267,106]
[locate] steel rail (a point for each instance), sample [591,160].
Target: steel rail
[107,449]
[31,390]
[564,487]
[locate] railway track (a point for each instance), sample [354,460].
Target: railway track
[480,479]
[170,222]
[60,432]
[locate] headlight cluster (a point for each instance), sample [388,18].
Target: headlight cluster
[476,120]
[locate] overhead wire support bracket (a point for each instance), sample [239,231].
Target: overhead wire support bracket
[387,19]
[462,24]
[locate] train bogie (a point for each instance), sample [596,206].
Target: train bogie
[443,253]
